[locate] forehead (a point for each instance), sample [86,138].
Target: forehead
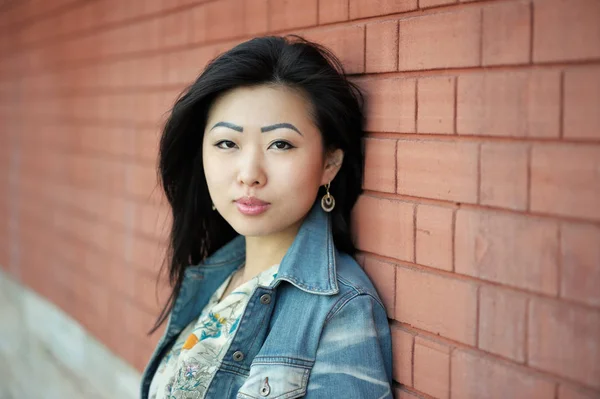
[261,105]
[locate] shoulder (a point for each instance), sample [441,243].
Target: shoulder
[352,279]
[354,355]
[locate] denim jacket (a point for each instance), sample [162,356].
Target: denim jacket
[319,330]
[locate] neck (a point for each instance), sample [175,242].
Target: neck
[262,252]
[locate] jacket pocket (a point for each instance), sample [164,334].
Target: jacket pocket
[274,381]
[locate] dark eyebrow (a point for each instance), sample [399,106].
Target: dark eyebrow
[229,125]
[279,126]
[263,129]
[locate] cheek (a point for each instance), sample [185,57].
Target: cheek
[213,168]
[300,173]
[212,178]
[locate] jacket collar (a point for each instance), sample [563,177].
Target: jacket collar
[309,264]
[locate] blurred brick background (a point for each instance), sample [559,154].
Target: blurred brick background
[480,222]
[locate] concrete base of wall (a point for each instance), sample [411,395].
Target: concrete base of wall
[44,353]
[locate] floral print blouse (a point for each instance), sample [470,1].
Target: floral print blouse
[188,368]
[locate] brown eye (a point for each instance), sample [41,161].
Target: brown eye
[282,145]
[225,144]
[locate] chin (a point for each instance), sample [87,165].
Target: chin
[250,225]
[250,229]
[260,225]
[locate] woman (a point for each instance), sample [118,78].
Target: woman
[261,161]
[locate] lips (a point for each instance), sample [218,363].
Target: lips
[251,206]
[251,201]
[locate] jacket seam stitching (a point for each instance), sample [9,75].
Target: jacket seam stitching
[339,308]
[335,309]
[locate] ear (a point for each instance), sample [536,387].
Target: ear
[333,163]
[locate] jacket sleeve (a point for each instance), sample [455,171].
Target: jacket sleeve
[354,356]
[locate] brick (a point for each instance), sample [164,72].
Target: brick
[149,294]
[175,30]
[149,109]
[503,171]
[566,30]
[474,376]
[382,46]
[96,172]
[571,392]
[432,368]
[148,71]
[515,250]
[225,18]
[153,6]
[144,254]
[333,11]
[402,353]
[116,314]
[104,237]
[506,33]
[141,179]
[121,278]
[434,236]
[380,165]
[181,66]
[291,14]
[437,169]
[582,96]
[93,263]
[580,263]
[256,17]
[370,8]
[153,220]
[565,180]
[384,227]
[96,298]
[383,276]
[563,339]
[443,40]
[197,24]
[433,3]
[139,321]
[502,322]
[146,144]
[178,3]
[438,304]
[391,106]
[346,42]
[90,15]
[519,103]
[436,105]
[109,141]
[125,72]
[120,106]
[145,35]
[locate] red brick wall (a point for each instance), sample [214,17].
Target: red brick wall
[480,222]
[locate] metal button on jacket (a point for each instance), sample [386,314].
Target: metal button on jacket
[265,389]
[238,356]
[265,299]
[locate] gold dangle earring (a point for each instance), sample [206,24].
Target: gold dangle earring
[213,207]
[327,202]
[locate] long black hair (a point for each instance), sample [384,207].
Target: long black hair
[289,61]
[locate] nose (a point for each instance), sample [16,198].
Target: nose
[251,171]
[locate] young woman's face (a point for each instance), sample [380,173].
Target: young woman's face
[264,159]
